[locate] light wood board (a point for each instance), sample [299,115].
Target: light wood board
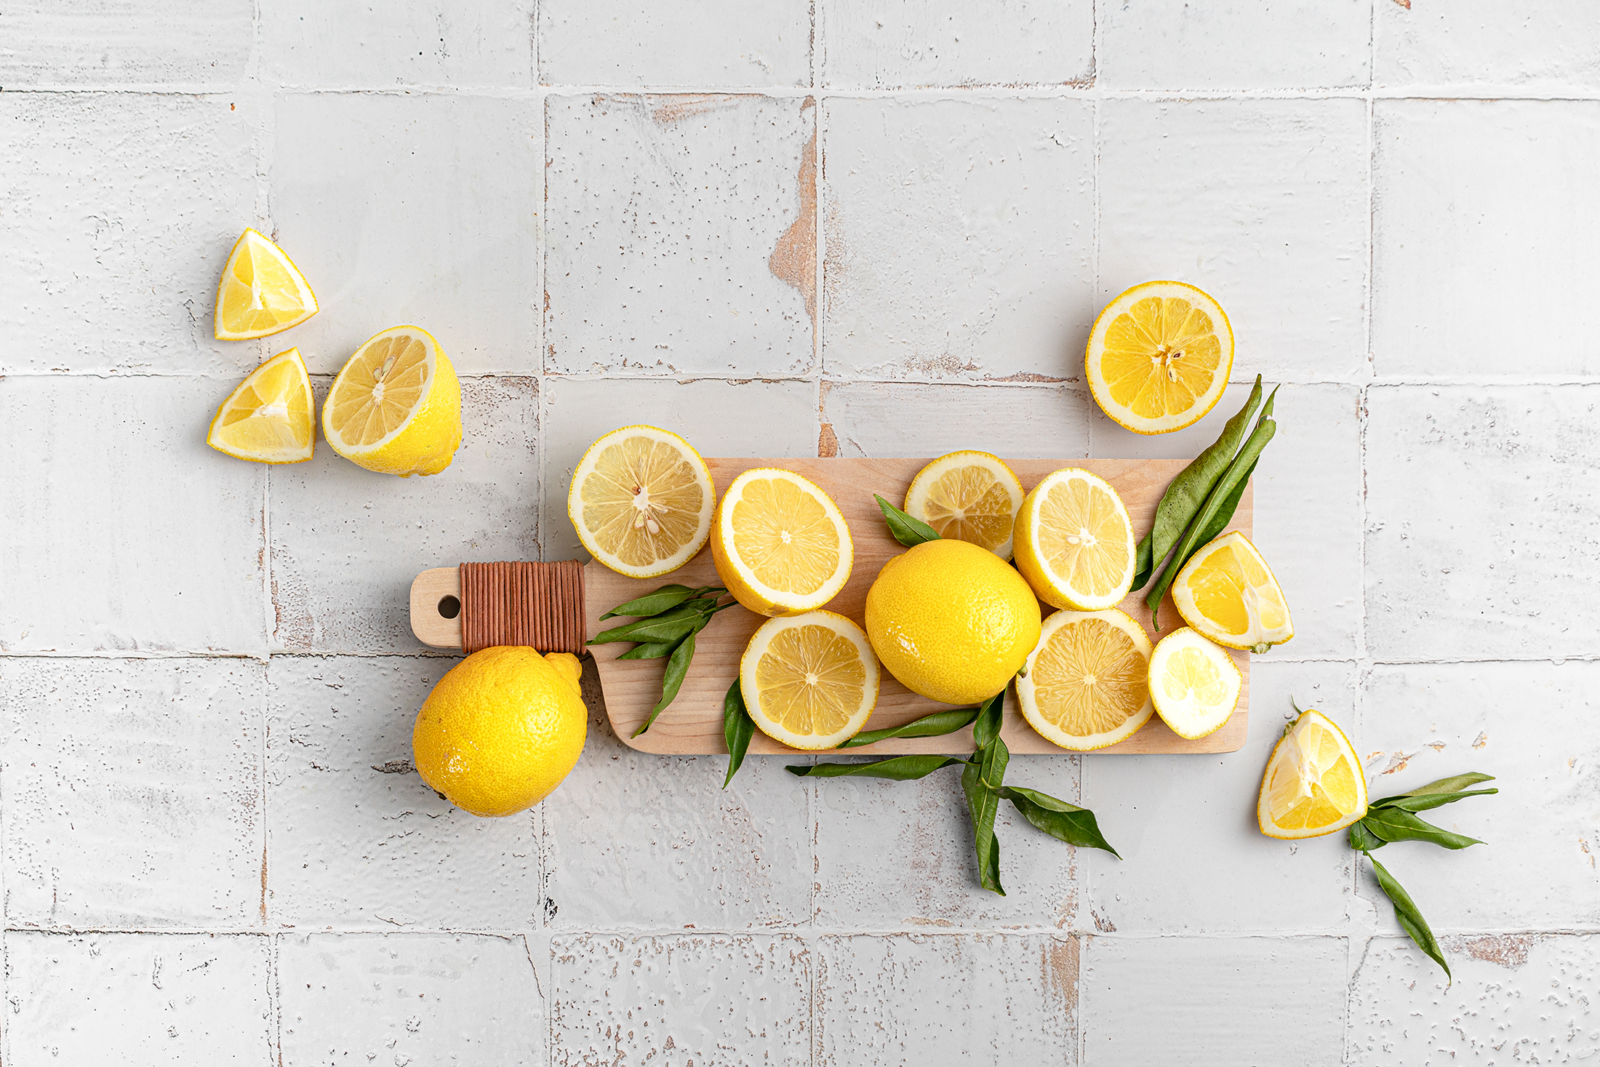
[692,725]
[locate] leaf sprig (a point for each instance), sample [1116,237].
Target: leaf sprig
[665,624]
[907,529]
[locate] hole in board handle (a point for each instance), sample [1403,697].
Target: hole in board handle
[449,607]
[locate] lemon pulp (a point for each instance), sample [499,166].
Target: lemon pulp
[646,498]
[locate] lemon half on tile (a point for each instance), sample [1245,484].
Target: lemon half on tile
[395,408]
[261,291]
[1193,684]
[810,681]
[1228,593]
[1086,684]
[268,417]
[968,496]
[641,500]
[1074,542]
[780,543]
[1313,784]
[1159,356]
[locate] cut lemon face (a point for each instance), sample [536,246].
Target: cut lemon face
[641,500]
[779,542]
[1086,685]
[1159,357]
[261,291]
[1193,684]
[268,418]
[395,408]
[968,496]
[1314,784]
[1227,592]
[809,680]
[1074,542]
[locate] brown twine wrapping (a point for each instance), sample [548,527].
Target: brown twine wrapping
[534,604]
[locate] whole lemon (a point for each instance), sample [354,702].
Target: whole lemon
[952,621]
[501,729]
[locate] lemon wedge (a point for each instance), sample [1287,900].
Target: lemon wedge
[779,542]
[1086,684]
[810,681]
[1228,593]
[1074,542]
[395,408]
[268,416]
[641,500]
[968,496]
[1314,784]
[261,291]
[1193,684]
[1159,357]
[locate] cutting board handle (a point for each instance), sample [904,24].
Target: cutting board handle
[480,605]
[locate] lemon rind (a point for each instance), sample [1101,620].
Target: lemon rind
[784,603]
[912,505]
[751,655]
[1264,815]
[1179,636]
[685,553]
[1025,685]
[292,355]
[308,298]
[1068,599]
[1183,599]
[1091,359]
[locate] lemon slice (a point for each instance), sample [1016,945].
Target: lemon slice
[1086,684]
[1193,684]
[968,496]
[1159,356]
[809,680]
[1228,593]
[261,291]
[395,408]
[1314,784]
[641,500]
[268,417]
[779,542]
[1074,542]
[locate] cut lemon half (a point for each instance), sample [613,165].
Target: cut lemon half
[261,291]
[1086,684]
[1228,593]
[779,542]
[1074,542]
[1314,784]
[1159,356]
[1193,684]
[810,681]
[641,500]
[395,408]
[968,496]
[268,418]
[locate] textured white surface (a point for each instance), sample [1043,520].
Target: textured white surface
[848,227]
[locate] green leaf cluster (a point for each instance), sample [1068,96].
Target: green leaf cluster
[664,625]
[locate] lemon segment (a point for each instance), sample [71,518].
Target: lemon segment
[810,680]
[1313,784]
[1074,542]
[1159,356]
[268,417]
[1086,684]
[260,292]
[641,500]
[780,544]
[395,408]
[1228,593]
[1193,684]
[968,496]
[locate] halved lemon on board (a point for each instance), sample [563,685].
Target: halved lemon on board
[968,496]
[1159,357]
[1193,684]
[1074,542]
[641,500]
[395,408]
[779,543]
[1314,784]
[1086,685]
[810,681]
[1228,593]
[268,418]
[261,291]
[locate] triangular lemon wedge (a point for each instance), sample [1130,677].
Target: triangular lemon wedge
[268,418]
[261,291]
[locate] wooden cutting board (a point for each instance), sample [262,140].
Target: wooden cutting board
[692,724]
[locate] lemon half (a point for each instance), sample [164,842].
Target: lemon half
[968,496]
[810,681]
[1159,356]
[641,500]
[1228,593]
[780,544]
[1193,684]
[395,408]
[268,418]
[1074,542]
[261,291]
[1313,784]
[1086,685]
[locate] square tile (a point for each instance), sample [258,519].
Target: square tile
[124,530]
[898,44]
[681,234]
[107,42]
[355,838]
[121,210]
[132,792]
[908,419]
[444,232]
[959,238]
[1548,44]
[1261,203]
[1480,264]
[347,542]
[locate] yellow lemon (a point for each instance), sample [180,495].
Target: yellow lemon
[1193,683]
[1086,684]
[780,544]
[1074,542]
[641,500]
[1314,784]
[395,408]
[501,729]
[1228,593]
[268,417]
[968,496]
[809,681]
[1159,356]
[951,621]
[261,291]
